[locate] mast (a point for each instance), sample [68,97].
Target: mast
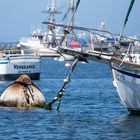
[126,18]
[72,7]
[51,10]
[69,12]
[73,12]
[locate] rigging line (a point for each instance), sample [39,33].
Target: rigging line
[74,11]
[130,45]
[55,40]
[64,17]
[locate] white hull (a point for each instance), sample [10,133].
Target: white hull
[12,67]
[126,79]
[31,43]
[43,49]
[128,89]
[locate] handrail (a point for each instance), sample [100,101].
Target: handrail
[18,53]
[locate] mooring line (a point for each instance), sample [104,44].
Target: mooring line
[61,91]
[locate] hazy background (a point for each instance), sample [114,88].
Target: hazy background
[19,17]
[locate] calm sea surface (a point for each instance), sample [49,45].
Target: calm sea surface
[89,110]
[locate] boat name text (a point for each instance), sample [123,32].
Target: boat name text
[24,66]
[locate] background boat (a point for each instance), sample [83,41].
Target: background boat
[14,63]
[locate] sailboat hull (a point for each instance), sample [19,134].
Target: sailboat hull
[126,79]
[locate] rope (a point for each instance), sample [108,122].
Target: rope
[51,27]
[130,45]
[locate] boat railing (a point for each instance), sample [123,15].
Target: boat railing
[27,39]
[9,46]
[18,53]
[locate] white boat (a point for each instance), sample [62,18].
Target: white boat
[35,41]
[40,40]
[14,63]
[126,79]
[43,43]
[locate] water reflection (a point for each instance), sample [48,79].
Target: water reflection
[127,126]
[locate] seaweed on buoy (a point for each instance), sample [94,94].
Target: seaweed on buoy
[22,93]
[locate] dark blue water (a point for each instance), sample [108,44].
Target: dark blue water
[89,110]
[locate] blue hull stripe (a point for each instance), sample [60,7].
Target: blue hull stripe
[9,77]
[3,62]
[127,73]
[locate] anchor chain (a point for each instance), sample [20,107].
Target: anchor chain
[61,91]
